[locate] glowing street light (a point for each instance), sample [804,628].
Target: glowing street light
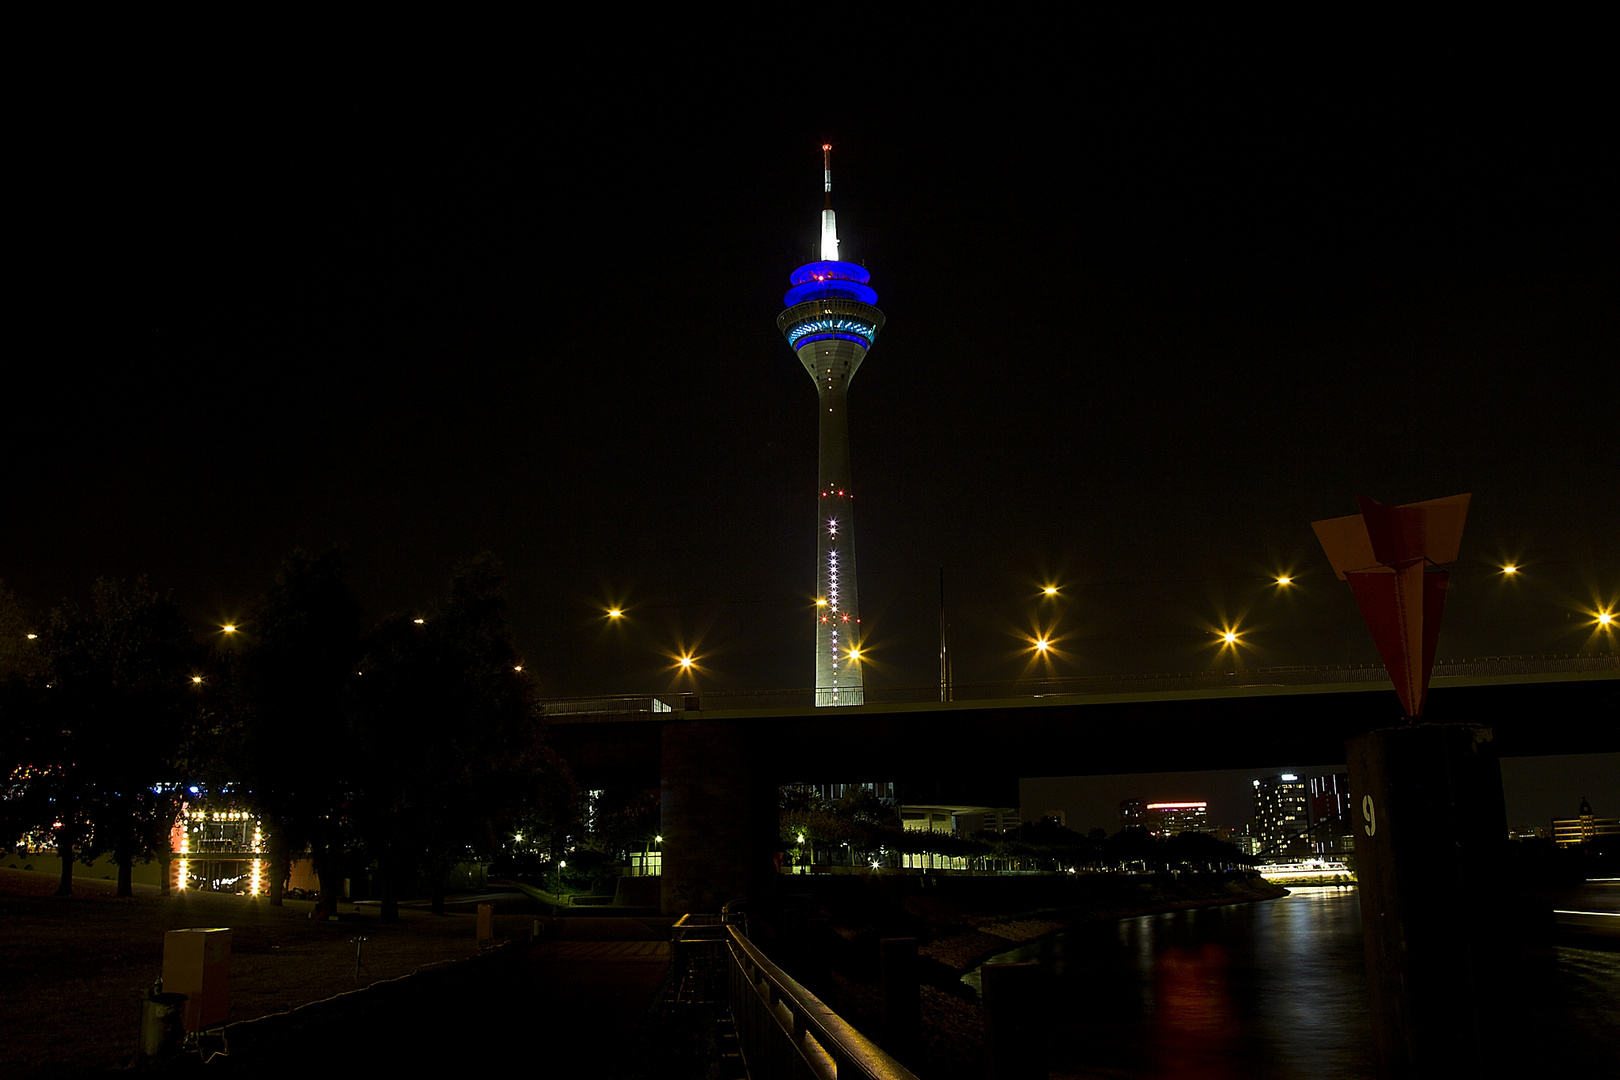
[1510,569]
[615,613]
[1050,590]
[228,628]
[1284,580]
[1605,619]
[1041,645]
[1229,637]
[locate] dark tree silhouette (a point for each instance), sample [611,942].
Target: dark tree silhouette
[108,733]
[448,735]
[289,747]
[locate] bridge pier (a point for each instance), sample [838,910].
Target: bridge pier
[1431,834]
[719,812]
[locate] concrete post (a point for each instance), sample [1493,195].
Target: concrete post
[1015,1020]
[902,999]
[817,953]
[1431,834]
[719,814]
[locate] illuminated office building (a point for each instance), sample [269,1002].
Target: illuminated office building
[1173,818]
[1132,813]
[1333,833]
[1584,828]
[1282,816]
[1300,817]
[830,321]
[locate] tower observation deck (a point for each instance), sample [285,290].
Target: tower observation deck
[830,321]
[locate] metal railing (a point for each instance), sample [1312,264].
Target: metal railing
[699,958]
[785,1031]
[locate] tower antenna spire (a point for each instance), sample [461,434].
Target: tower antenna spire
[829,221]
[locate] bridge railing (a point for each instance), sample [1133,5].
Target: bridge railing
[1081,685]
[784,1030]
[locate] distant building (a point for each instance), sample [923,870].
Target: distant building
[1583,828]
[1298,817]
[1332,830]
[1242,839]
[883,791]
[1056,815]
[954,818]
[1282,813]
[1173,818]
[950,809]
[1132,813]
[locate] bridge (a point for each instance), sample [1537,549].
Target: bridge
[720,768]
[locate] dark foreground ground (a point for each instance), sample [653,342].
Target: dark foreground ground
[73,972]
[585,992]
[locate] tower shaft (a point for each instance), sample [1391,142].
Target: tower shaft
[831,320]
[838,669]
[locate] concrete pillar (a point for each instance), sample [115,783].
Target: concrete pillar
[719,816]
[1015,1020]
[902,998]
[1431,835]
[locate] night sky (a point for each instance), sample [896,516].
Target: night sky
[1158,297]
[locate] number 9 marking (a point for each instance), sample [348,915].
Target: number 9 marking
[1367,812]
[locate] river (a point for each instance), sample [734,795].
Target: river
[1276,989]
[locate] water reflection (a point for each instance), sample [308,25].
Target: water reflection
[1279,989]
[1274,989]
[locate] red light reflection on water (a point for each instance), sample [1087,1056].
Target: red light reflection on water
[1195,1033]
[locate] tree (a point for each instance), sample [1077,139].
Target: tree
[1135,845]
[448,732]
[288,745]
[24,799]
[105,739]
[1199,849]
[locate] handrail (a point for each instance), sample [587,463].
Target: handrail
[786,1031]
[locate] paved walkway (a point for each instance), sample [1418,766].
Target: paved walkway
[589,1004]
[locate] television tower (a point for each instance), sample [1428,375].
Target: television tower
[830,321]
